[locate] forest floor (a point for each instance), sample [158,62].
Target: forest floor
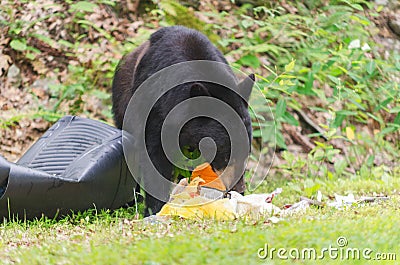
[58,59]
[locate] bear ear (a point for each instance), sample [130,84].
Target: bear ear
[198,89]
[245,86]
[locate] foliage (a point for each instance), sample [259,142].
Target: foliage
[174,13]
[322,60]
[314,58]
[87,73]
[326,62]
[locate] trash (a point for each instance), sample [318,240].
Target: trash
[319,196]
[184,190]
[200,208]
[254,205]
[191,200]
[79,164]
[312,202]
[156,220]
[195,200]
[209,177]
[76,165]
[341,201]
[274,219]
[297,207]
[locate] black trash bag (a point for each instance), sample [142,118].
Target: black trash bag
[76,165]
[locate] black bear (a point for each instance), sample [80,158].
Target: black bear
[166,47]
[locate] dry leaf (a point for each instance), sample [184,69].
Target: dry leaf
[350,133]
[5,62]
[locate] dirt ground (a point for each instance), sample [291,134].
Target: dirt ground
[25,85]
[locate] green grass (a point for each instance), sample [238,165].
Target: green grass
[303,62]
[117,238]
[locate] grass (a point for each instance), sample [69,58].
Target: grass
[303,62]
[117,238]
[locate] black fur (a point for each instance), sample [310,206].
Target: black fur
[166,47]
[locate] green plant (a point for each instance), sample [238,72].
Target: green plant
[337,68]
[173,13]
[189,155]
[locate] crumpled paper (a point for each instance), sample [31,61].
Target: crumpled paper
[254,205]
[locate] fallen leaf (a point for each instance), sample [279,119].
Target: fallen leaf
[5,62]
[350,133]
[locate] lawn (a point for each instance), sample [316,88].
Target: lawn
[326,121]
[119,238]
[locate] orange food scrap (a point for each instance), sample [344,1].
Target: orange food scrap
[210,178]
